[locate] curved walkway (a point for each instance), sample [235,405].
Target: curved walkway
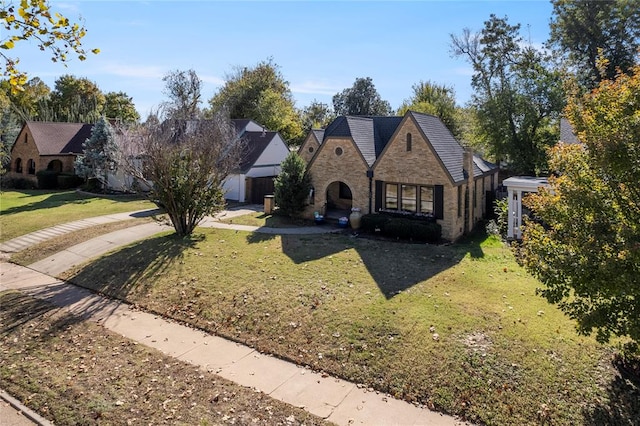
[336,400]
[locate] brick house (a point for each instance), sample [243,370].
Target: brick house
[47,146]
[411,164]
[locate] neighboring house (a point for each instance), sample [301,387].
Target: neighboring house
[411,164]
[47,146]
[519,186]
[259,165]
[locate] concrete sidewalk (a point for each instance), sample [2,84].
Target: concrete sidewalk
[20,243]
[334,399]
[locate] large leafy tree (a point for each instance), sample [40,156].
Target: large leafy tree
[34,21]
[435,99]
[76,99]
[292,186]
[361,99]
[184,89]
[518,96]
[587,253]
[261,93]
[316,115]
[583,30]
[120,106]
[99,153]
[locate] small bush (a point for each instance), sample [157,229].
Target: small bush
[47,179]
[17,183]
[67,181]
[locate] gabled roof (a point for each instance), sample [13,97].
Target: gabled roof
[567,134]
[257,142]
[482,166]
[371,134]
[319,134]
[447,148]
[59,138]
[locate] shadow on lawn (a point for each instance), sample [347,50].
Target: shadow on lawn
[22,308]
[395,266]
[624,399]
[144,260]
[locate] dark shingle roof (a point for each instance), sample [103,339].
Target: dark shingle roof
[319,134]
[446,146]
[567,135]
[372,134]
[482,166]
[240,123]
[59,138]
[256,144]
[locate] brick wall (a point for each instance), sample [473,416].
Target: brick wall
[420,166]
[26,149]
[328,167]
[308,148]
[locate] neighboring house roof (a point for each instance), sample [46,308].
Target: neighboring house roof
[256,144]
[482,166]
[567,134]
[240,123]
[59,138]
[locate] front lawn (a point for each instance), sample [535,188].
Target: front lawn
[261,219]
[458,328]
[25,211]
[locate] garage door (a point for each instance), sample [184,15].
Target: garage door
[258,187]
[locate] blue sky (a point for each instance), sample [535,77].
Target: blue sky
[321,46]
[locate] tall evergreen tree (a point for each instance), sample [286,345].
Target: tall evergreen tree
[99,153]
[292,186]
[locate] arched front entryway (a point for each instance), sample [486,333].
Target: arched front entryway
[339,200]
[55,165]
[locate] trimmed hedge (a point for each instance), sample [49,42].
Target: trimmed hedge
[67,181]
[17,183]
[47,179]
[404,228]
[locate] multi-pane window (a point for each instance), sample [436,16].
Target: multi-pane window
[409,198]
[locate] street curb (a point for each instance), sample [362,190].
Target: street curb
[27,412]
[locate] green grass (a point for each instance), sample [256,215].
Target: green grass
[22,212]
[458,328]
[261,219]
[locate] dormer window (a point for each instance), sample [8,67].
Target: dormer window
[408,142]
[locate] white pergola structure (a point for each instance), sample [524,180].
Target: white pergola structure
[517,187]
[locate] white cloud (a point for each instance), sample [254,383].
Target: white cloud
[314,88]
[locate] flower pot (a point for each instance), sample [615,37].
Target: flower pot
[355,218]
